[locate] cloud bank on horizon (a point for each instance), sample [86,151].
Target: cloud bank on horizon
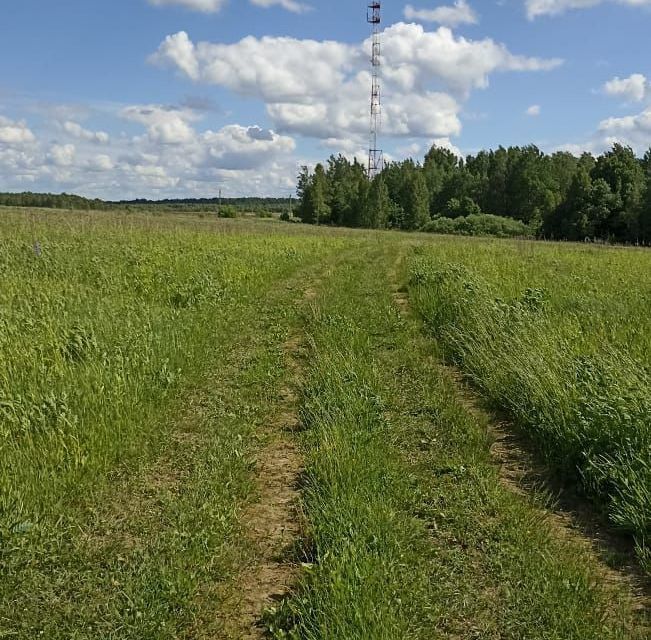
[287,100]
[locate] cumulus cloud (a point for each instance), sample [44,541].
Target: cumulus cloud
[633,88]
[13,133]
[62,155]
[320,88]
[634,130]
[213,6]
[290,5]
[533,110]
[205,6]
[537,8]
[77,131]
[276,69]
[100,162]
[240,148]
[452,16]
[165,125]
[631,130]
[460,64]
[172,157]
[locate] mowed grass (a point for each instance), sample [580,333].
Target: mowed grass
[559,336]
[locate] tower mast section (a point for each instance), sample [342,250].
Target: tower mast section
[375,156]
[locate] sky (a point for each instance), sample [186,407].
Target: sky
[182,98]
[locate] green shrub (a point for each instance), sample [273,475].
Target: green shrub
[228,211]
[478,225]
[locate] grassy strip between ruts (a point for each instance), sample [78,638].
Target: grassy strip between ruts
[412,534]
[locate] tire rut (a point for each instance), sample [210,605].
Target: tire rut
[273,523]
[569,517]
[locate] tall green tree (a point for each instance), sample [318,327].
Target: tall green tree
[415,201]
[624,175]
[644,215]
[303,188]
[438,168]
[317,200]
[377,206]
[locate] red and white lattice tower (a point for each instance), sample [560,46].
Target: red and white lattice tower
[375,156]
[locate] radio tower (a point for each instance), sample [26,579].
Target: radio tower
[375,157]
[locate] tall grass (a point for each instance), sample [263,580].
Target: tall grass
[102,319]
[412,535]
[560,339]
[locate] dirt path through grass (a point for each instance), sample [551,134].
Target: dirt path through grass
[413,532]
[272,522]
[158,552]
[567,516]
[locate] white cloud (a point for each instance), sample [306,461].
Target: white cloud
[181,50]
[633,88]
[290,5]
[165,125]
[537,8]
[446,143]
[320,88]
[172,158]
[458,63]
[205,6]
[633,130]
[533,110]
[77,131]
[14,133]
[62,155]
[240,148]
[276,69]
[214,6]
[100,162]
[452,16]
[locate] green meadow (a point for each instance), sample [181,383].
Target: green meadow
[153,366]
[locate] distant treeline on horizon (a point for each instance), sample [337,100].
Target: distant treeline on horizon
[71,201]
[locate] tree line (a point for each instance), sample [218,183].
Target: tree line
[557,196]
[50,201]
[190,205]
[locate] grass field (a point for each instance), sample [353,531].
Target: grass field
[561,339]
[165,380]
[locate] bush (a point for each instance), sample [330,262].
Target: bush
[228,211]
[461,208]
[479,225]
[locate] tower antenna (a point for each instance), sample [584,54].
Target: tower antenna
[375,156]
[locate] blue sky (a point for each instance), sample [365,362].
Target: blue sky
[178,98]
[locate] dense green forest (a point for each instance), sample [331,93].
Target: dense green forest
[558,196]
